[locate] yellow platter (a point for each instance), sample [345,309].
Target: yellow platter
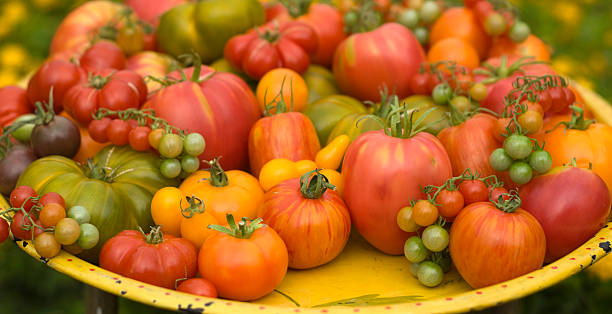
[360,280]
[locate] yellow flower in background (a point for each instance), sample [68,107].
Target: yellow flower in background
[46,4]
[568,12]
[564,65]
[8,77]
[13,12]
[584,82]
[597,62]
[13,56]
[607,38]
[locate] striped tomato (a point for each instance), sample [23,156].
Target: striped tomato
[150,63]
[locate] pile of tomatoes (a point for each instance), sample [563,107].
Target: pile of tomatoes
[239,145]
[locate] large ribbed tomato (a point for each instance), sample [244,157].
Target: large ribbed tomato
[489,246]
[219,106]
[13,103]
[382,174]
[151,63]
[570,203]
[388,55]
[313,221]
[153,258]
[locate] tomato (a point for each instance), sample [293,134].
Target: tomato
[4,230]
[195,222]
[139,138]
[235,192]
[436,120]
[222,108]
[567,196]
[405,220]
[461,23]
[454,49]
[320,83]
[198,286]
[194,144]
[51,214]
[496,192]
[170,145]
[67,231]
[451,202]
[353,125]
[252,251]
[326,112]
[14,162]
[331,155]
[435,238]
[79,213]
[155,258]
[14,104]
[150,63]
[474,191]
[170,168]
[20,223]
[478,92]
[103,54]
[52,198]
[166,209]
[489,246]
[59,74]
[22,196]
[155,137]
[46,246]
[89,147]
[414,250]
[419,84]
[430,274]
[500,160]
[97,129]
[441,94]
[389,55]
[531,121]
[276,171]
[150,11]
[532,46]
[88,237]
[118,132]
[282,84]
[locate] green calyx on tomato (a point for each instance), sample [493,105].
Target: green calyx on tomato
[243,230]
[577,122]
[278,105]
[507,202]
[218,177]
[155,236]
[503,70]
[196,206]
[296,8]
[316,187]
[399,121]
[362,20]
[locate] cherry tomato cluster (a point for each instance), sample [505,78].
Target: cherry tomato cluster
[519,157]
[45,220]
[418,19]
[143,130]
[499,21]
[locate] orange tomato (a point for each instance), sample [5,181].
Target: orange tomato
[89,148]
[292,86]
[454,49]
[166,210]
[195,222]
[461,23]
[334,178]
[304,166]
[235,192]
[532,46]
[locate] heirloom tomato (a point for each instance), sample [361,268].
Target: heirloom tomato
[353,125]
[245,261]
[326,112]
[198,286]
[154,258]
[13,103]
[489,245]
[166,209]
[435,120]
[116,187]
[282,85]
[389,55]
[12,164]
[531,47]
[570,203]
[278,170]
[312,220]
[150,63]
[59,74]
[330,156]
[320,83]
[103,54]
[195,221]
[89,146]
[235,192]
[456,50]
[151,10]
[461,23]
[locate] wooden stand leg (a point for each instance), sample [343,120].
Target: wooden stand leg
[100,302]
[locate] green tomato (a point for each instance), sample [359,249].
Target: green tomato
[23,133]
[80,214]
[495,24]
[89,236]
[190,164]
[170,168]
[521,172]
[519,32]
[500,160]
[540,161]
[193,144]
[409,18]
[414,250]
[421,34]
[351,18]
[441,94]
[430,11]
[436,120]
[518,146]
[170,145]
[435,238]
[430,274]
[414,269]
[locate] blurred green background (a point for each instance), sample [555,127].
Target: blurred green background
[579,30]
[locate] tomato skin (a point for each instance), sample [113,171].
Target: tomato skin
[19,196]
[489,246]
[327,111]
[474,191]
[150,63]
[389,54]
[129,255]
[451,203]
[419,84]
[118,132]
[454,49]
[287,81]
[139,138]
[375,202]
[461,23]
[103,54]
[14,104]
[97,129]
[62,75]
[52,197]
[17,227]
[532,46]
[4,230]
[328,24]
[244,269]
[314,230]
[497,192]
[288,135]
[198,286]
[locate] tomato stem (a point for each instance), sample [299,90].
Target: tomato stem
[296,8]
[156,236]
[316,187]
[243,230]
[278,102]
[196,206]
[577,121]
[218,177]
[507,202]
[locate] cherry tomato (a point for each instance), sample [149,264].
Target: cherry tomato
[414,269]
[19,196]
[495,24]
[414,250]
[474,191]
[190,163]
[430,274]
[46,245]
[409,18]
[496,192]
[570,97]
[435,238]
[461,103]
[500,128]
[194,144]
[139,138]
[479,92]
[51,214]
[118,132]
[519,32]
[198,286]
[405,220]
[67,231]
[518,146]
[170,168]
[424,213]
[88,237]
[419,84]
[79,213]
[97,129]
[451,203]
[130,39]
[422,35]
[520,172]
[171,145]
[19,223]
[500,160]
[430,11]
[4,230]
[52,197]
[558,99]
[544,100]
[532,121]
[155,137]
[540,161]
[441,93]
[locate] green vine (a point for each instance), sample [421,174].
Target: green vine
[31,216]
[242,230]
[316,187]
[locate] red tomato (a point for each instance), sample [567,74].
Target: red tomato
[419,84]
[328,24]
[19,196]
[315,230]
[570,203]
[374,193]
[156,259]
[474,191]
[4,230]
[451,203]
[289,135]
[139,138]
[114,92]
[59,74]
[118,132]
[19,223]
[388,55]
[101,55]
[13,103]
[265,48]
[261,258]
[151,63]
[97,129]
[198,286]
[489,246]
[496,192]
[52,198]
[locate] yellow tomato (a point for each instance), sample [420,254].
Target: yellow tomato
[334,178]
[331,155]
[292,85]
[276,171]
[304,166]
[166,210]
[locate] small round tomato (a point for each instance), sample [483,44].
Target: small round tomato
[171,145]
[430,274]
[441,94]
[474,191]
[520,172]
[88,237]
[194,144]
[46,245]
[20,224]
[461,103]
[52,197]
[291,84]
[519,32]
[451,203]
[198,286]
[155,137]
[430,11]
[170,168]
[500,160]
[479,92]
[419,84]
[276,171]
[166,210]
[557,98]
[540,161]
[51,214]
[118,132]
[97,129]
[405,220]
[414,250]
[4,230]
[531,121]
[496,192]
[195,222]
[139,138]
[495,24]
[304,166]
[518,146]
[190,163]
[79,213]
[435,238]
[424,213]
[67,231]
[19,196]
